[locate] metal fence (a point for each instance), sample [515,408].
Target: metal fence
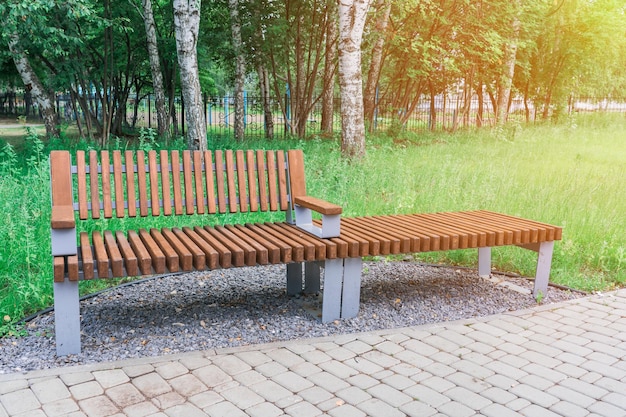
[443,113]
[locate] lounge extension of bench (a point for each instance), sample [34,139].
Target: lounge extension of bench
[171,183]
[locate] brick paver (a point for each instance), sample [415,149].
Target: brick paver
[559,360]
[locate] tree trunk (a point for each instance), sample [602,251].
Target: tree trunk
[186,25]
[330,69]
[506,81]
[369,99]
[240,68]
[32,83]
[163,126]
[352,15]
[268,117]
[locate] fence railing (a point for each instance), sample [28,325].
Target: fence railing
[443,113]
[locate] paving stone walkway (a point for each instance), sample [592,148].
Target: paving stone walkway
[566,359]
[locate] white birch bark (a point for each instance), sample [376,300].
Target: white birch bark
[44,100]
[186,26]
[155,68]
[352,16]
[240,68]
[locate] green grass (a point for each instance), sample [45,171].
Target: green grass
[570,174]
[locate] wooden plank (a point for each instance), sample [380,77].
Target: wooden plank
[225,254]
[62,217]
[131,196]
[177,184]
[241,182]
[197,176]
[237,254]
[469,235]
[390,225]
[211,255]
[271,180]
[94,186]
[439,237]
[321,247]
[130,259]
[219,181]
[295,157]
[550,232]
[166,194]
[282,180]
[485,236]
[252,181]
[171,256]
[377,244]
[143,255]
[81,174]
[115,256]
[142,183]
[249,252]
[308,249]
[285,249]
[262,178]
[86,255]
[497,237]
[107,201]
[188,178]
[72,267]
[230,181]
[210,182]
[154,183]
[159,259]
[118,184]
[267,251]
[100,252]
[512,232]
[59,268]
[199,258]
[184,255]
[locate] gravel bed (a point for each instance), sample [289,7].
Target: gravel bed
[244,306]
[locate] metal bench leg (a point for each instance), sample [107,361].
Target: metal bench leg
[351,294]
[294,278]
[311,277]
[484,262]
[333,283]
[67,317]
[544,262]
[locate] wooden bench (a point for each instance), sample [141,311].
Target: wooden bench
[107,185]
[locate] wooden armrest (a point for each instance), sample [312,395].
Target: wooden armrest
[320,206]
[63,217]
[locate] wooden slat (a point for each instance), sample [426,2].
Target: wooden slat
[496,237]
[282,180]
[297,249]
[154,183]
[188,179]
[219,182]
[115,256]
[159,259]
[184,255]
[296,173]
[72,267]
[376,246]
[86,256]
[419,240]
[266,250]
[118,183]
[131,196]
[485,237]
[271,180]
[230,181]
[142,184]
[512,234]
[165,183]
[100,252]
[59,268]
[130,259]
[225,254]
[199,258]
[171,256]
[381,232]
[210,182]
[143,255]
[321,247]
[237,253]
[269,240]
[197,176]
[81,174]
[252,181]
[241,182]
[94,187]
[249,251]
[212,256]
[177,184]
[262,177]
[107,201]
[469,237]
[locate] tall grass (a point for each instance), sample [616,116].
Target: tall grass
[571,174]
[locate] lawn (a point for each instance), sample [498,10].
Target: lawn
[570,174]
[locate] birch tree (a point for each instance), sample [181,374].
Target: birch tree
[186,26]
[240,68]
[352,16]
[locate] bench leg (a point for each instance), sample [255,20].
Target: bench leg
[294,278]
[351,293]
[342,288]
[67,317]
[544,262]
[311,277]
[484,262]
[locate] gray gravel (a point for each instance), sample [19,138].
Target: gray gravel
[226,308]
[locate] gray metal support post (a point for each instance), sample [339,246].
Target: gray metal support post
[351,293]
[484,262]
[333,283]
[294,278]
[67,317]
[312,277]
[544,262]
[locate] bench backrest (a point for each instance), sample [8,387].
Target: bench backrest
[136,183]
